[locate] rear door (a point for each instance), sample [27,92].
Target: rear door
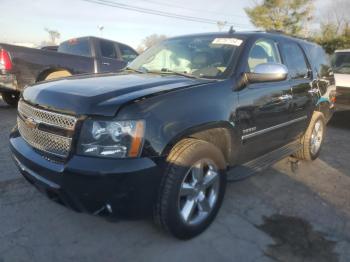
[304,94]
[263,107]
[108,58]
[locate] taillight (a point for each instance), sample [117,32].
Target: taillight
[5,60]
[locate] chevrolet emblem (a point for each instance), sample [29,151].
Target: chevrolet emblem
[31,123]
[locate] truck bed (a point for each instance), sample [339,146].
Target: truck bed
[29,63]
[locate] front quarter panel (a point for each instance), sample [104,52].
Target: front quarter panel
[172,116]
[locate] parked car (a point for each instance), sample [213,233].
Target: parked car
[165,135]
[22,66]
[341,68]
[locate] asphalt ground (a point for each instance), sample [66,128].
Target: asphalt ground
[278,215]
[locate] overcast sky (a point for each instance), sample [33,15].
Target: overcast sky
[25,20]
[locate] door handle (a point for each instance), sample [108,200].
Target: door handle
[285,97]
[105,63]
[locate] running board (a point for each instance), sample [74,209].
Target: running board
[259,164]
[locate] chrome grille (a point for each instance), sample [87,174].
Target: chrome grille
[51,118]
[29,121]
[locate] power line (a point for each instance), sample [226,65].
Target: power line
[190,9]
[158,12]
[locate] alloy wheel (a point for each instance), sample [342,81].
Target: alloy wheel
[199,192]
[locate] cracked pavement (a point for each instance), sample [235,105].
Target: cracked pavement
[33,228]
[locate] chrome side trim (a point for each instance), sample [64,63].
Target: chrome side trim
[264,131]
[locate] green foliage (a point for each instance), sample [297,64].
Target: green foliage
[286,15]
[335,43]
[331,40]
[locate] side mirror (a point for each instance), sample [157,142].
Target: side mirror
[268,72]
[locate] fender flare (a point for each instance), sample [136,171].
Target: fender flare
[222,134]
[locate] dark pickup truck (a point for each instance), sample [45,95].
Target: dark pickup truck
[22,66]
[163,136]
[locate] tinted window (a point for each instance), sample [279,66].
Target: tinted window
[263,51]
[107,49]
[320,59]
[127,53]
[341,63]
[76,47]
[295,61]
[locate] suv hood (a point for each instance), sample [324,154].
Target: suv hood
[102,94]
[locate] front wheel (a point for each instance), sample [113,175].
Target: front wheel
[10,98]
[313,138]
[192,188]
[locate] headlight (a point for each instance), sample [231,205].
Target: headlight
[113,139]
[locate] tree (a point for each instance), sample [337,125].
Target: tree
[334,32]
[53,35]
[331,41]
[336,14]
[150,41]
[289,16]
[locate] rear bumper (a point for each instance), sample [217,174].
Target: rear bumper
[8,83]
[128,186]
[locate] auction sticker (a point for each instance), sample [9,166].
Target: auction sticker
[227,41]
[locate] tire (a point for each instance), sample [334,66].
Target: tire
[57,74]
[180,188]
[310,151]
[10,98]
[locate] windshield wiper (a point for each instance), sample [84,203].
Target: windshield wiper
[134,70]
[168,71]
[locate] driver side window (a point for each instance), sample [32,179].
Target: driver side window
[263,51]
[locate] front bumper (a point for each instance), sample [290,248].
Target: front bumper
[128,186]
[342,107]
[8,83]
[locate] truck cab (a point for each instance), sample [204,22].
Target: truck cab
[341,68]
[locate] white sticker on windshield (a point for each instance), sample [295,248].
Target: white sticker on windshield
[227,41]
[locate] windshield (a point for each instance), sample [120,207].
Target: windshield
[200,56]
[341,63]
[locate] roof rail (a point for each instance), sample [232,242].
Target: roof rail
[276,31]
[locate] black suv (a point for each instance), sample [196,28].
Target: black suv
[164,135]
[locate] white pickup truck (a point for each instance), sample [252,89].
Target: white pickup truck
[341,68]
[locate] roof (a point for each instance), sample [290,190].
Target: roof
[275,34]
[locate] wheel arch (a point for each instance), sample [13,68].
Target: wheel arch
[221,134]
[325,108]
[42,76]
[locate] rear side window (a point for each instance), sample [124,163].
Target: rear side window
[320,60]
[108,49]
[76,47]
[295,60]
[127,53]
[263,51]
